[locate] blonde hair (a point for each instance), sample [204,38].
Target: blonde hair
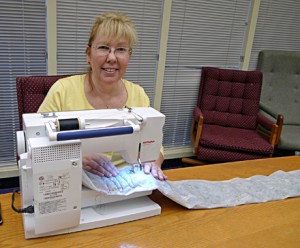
[115,26]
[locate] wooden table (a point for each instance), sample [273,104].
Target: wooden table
[271,224]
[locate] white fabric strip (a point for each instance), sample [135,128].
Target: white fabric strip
[202,194]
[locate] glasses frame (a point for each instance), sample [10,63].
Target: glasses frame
[119,52]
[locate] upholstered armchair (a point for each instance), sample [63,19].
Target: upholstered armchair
[281,94]
[226,118]
[31,91]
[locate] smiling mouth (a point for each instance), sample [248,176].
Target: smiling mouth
[109,69]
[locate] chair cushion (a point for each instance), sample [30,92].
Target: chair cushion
[34,89]
[230,97]
[234,139]
[220,156]
[31,91]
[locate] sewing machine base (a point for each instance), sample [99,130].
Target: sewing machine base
[101,216]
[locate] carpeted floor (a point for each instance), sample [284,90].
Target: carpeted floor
[9,184]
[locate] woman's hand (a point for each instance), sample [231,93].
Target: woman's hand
[155,169]
[99,164]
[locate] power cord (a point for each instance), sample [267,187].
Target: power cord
[28,210]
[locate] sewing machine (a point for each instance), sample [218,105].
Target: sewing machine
[50,149]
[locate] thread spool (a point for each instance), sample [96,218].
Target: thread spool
[69,124]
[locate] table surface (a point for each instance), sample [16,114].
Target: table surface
[270,224]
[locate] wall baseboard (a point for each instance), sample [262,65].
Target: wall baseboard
[172,153]
[9,171]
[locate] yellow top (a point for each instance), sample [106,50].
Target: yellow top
[67,94]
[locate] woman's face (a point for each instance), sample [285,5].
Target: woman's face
[110,66]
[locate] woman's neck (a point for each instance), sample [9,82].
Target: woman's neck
[99,89]
[105,96]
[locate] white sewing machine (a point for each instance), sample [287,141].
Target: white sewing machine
[50,149]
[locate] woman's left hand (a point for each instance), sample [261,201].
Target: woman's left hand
[155,170]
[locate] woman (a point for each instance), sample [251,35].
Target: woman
[108,52]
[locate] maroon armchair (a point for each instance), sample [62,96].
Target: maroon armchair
[226,120]
[31,91]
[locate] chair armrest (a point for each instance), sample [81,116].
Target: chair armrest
[196,129]
[279,124]
[265,122]
[271,130]
[268,110]
[197,113]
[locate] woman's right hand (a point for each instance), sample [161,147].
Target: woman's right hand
[99,164]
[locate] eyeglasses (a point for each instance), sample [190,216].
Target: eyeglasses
[119,52]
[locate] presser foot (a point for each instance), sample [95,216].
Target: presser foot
[135,167]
